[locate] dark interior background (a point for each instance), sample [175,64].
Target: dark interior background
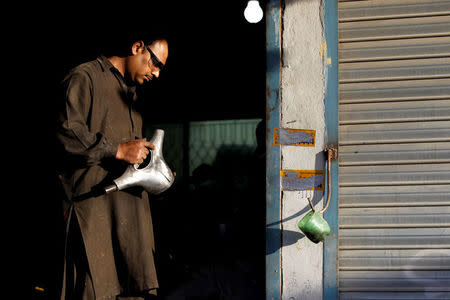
[215,71]
[216,65]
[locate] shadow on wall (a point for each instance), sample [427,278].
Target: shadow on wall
[289,237]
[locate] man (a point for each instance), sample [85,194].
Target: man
[109,238]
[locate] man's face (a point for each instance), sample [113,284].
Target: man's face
[146,62]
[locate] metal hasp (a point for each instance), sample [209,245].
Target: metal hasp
[155,178]
[332,151]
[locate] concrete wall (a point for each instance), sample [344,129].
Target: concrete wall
[302,107]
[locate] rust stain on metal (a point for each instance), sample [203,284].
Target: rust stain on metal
[333,151]
[302,180]
[294,137]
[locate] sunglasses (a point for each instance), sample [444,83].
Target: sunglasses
[155,60]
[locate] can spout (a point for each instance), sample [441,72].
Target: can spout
[111,188]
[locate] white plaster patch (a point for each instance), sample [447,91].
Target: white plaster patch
[302,107]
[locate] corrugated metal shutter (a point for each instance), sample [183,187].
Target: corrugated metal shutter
[394,149]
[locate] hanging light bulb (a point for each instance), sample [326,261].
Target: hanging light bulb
[253,12]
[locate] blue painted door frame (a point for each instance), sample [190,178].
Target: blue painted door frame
[330,250]
[273,192]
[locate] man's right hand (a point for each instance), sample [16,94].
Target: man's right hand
[134,152]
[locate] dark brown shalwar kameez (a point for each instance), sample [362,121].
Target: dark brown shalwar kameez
[116,229]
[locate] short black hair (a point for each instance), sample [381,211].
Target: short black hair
[122,46]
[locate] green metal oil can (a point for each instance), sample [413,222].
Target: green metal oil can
[314,226]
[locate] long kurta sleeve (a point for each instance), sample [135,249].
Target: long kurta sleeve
[78,141]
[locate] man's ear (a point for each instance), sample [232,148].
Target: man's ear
[137,47]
